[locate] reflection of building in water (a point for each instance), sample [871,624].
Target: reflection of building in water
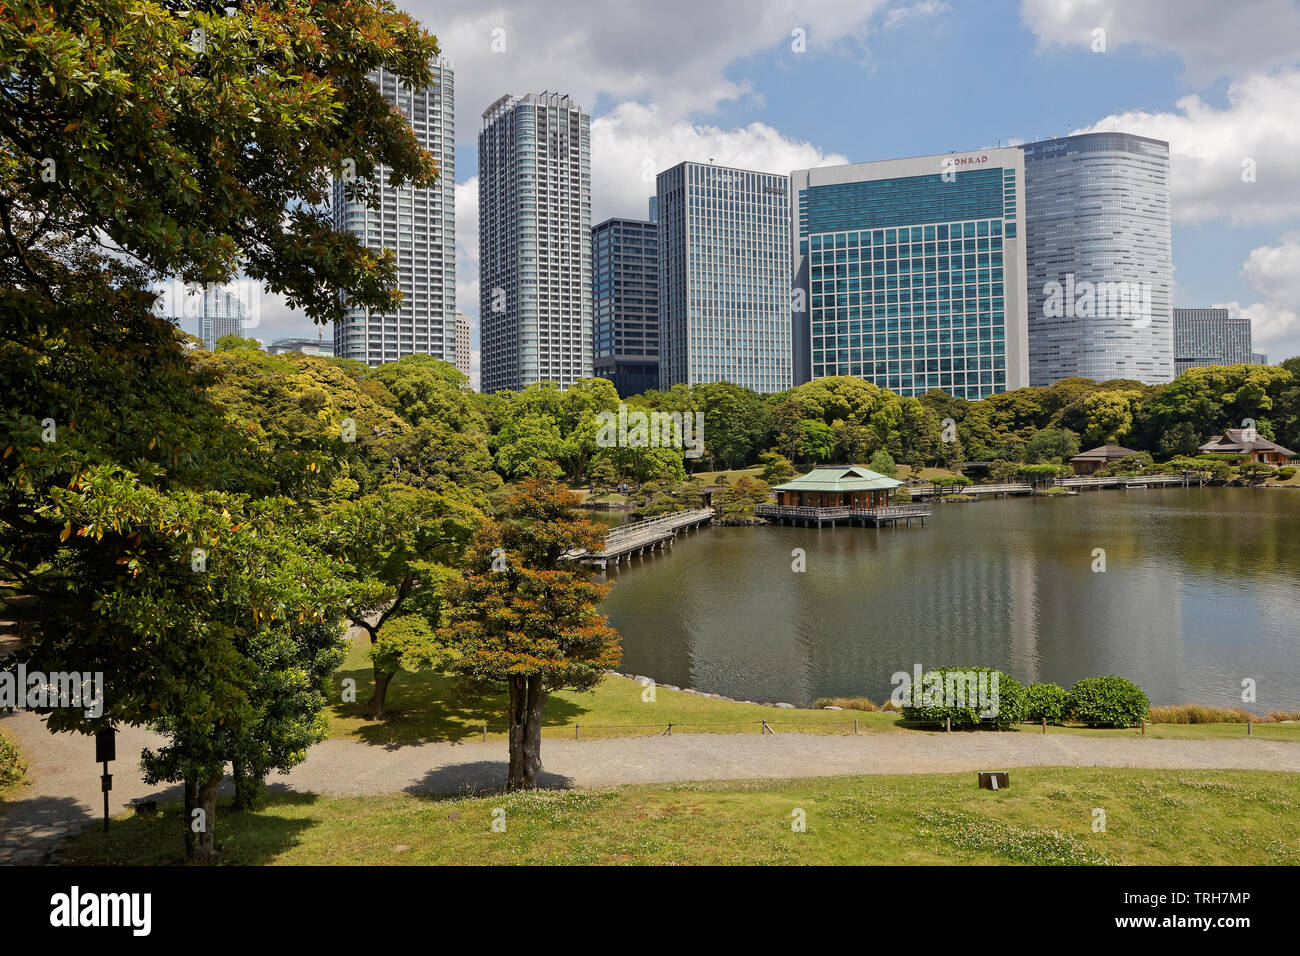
[1022,612]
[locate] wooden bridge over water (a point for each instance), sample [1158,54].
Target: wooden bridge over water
[638,537]
[1023,488]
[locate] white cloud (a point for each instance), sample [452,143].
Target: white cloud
[1213,38]
[1273,272]
[675,53]
[630,145]
[1208,147]
[922,8]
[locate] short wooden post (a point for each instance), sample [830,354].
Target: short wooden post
[575,731]
[855,726]
[1044,725]
[485,732]
[1250,728]
[1144,726]
[948,720]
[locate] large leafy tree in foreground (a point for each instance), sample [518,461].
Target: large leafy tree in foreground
[140,518]
[524,617]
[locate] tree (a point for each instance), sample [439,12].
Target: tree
[775,467]
[1057,445]
[882,463]
[150,536]
[403,545]
[524,616]
[203,153]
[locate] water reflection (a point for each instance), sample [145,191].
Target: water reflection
[1201,589]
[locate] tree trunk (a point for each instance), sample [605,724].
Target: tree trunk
[206,852]
[527,700]
[378,699]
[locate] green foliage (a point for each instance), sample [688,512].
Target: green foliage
[1046,701]
[953,692]
[1107,702]
[1286,473]
[1255,472]
[775,467]
[201,159]
[1056,445]
[882,463]
[735,504]
[12,766]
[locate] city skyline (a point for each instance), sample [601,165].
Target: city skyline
[1173,74]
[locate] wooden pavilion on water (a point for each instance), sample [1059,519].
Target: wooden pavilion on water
[840,493]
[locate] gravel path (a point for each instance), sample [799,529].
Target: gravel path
[64,794]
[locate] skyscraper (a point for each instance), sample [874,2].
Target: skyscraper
[1099,257]
[724,277]
[625,303]
[212,311]
[534,158]
[463,359]
[419,225]
[1209,337]
[909,273]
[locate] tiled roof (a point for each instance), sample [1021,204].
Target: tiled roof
[839,478]
[1104,451]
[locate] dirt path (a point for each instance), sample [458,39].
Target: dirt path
[64,794]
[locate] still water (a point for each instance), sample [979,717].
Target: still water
[1201,589]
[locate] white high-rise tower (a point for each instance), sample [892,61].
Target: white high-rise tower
[534,159]
[419,225]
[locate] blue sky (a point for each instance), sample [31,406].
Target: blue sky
[879,79]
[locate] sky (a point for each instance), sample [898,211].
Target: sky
[776,86]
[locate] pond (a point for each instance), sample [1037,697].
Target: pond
[1201,589]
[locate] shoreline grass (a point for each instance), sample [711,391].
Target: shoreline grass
[1153,817]
[426,707]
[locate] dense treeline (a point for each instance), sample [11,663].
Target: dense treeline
[849,420]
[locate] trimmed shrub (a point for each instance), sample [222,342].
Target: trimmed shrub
[1108,701]
[1286,473]
[12,768]
[1046,702]
[954,692]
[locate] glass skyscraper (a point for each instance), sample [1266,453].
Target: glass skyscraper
[534,196]
[625,302]
[724,277]
[1209,337]
[1097,221]
[419,226]
[909,273]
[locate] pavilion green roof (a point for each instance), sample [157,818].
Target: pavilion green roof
[840,478]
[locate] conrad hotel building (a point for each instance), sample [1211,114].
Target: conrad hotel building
[913,273]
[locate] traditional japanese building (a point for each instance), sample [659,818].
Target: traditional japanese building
[1246,441]
[839,493]
[1086,462]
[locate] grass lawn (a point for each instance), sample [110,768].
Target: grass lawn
[1046,817]
[425,707]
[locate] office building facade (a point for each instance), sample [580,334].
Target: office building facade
[534,154]
[463,359]
[1099,258]
[1209,337]
[305,346]
[910,273]
[210,311]
[418,225]
[724,280]
[625,304]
